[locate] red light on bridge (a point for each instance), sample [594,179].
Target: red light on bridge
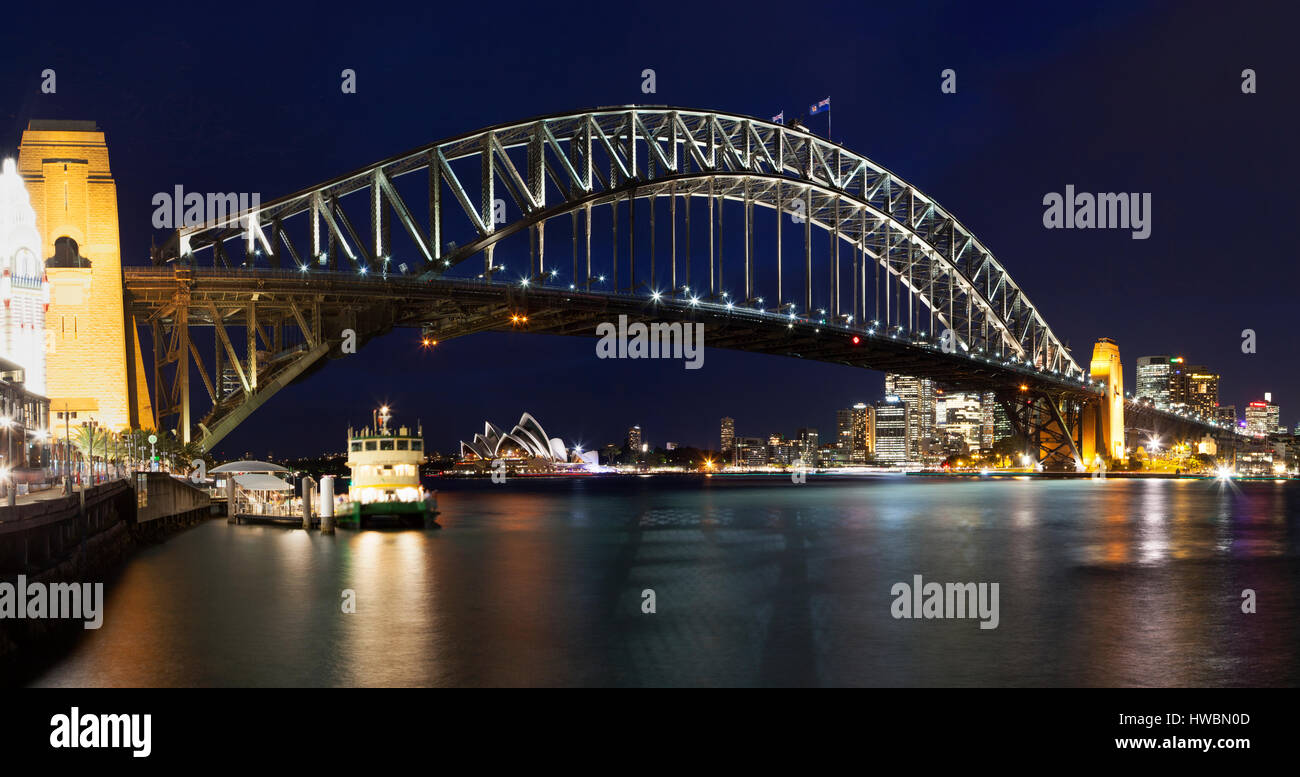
[856,339]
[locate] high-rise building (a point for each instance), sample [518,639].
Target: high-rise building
[961,413]
[863,433]
[995,424]
[1226,414]
[634,441]
[728,436]
[1262,417]
[96,369]
[1193,388]
[808,445]
[751,451]
[1202,391]
[1179,386]
[1153,379]
[891,431]
[844,430]
[782,451]
[918,395]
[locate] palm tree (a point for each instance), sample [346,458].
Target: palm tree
[89,440]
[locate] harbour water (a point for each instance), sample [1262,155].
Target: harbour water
[755,582]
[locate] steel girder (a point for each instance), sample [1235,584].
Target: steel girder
[568,164]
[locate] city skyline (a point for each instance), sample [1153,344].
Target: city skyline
[1162,314]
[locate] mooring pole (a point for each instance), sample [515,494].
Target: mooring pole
[308,489]
[327,504]
[231,517]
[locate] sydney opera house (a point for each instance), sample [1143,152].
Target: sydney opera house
[526,447]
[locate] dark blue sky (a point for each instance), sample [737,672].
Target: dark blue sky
[1123,96]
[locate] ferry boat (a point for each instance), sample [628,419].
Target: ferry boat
[385,486]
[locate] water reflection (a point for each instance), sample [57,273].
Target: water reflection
[756,582]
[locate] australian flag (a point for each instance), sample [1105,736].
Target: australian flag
[819,107]
[779,118]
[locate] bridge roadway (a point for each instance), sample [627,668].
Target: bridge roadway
[452,307]
[321,305]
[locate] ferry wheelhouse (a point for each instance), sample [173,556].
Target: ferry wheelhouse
[385,466]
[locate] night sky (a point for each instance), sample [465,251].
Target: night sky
[1124,96]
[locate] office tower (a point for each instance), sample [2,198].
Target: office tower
[891,431]
[751,451]
[1179,391]
[634,440]
[844,430]
[808,446]
[728,436]
[961,413]
[1202,391]
[918,395]
[780,450]
[1226,414]
[1262,417]
[1153,379]
[863,437]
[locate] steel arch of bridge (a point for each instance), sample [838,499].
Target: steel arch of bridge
[572,163]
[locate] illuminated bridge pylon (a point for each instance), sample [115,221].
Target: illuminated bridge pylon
[780,239]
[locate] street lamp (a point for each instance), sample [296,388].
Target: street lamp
[8,424]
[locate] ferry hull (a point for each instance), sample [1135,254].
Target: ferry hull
[388,514]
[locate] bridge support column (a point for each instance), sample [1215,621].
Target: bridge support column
[1107,417]
[327,504]
[308,490]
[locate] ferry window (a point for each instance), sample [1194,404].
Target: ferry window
[403,445]
[417,445]
[356,446]
[385,445]
[370,445]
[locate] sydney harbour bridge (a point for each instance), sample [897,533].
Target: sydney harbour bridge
[776,240]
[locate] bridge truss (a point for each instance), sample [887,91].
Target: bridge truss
[642,204]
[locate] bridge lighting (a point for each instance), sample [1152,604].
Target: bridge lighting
[601,279]
[524,283]
[303,268]
[695,301]
[856,339]
[363,270]
[760,300]
[654,295]
[730,306]
[1024,387]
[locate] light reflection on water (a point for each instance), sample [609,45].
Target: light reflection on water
[757,582]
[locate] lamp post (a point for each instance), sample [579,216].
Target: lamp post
[8,424]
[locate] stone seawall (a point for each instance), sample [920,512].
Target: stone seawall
[55,542]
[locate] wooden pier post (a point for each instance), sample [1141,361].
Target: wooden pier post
[327,504]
